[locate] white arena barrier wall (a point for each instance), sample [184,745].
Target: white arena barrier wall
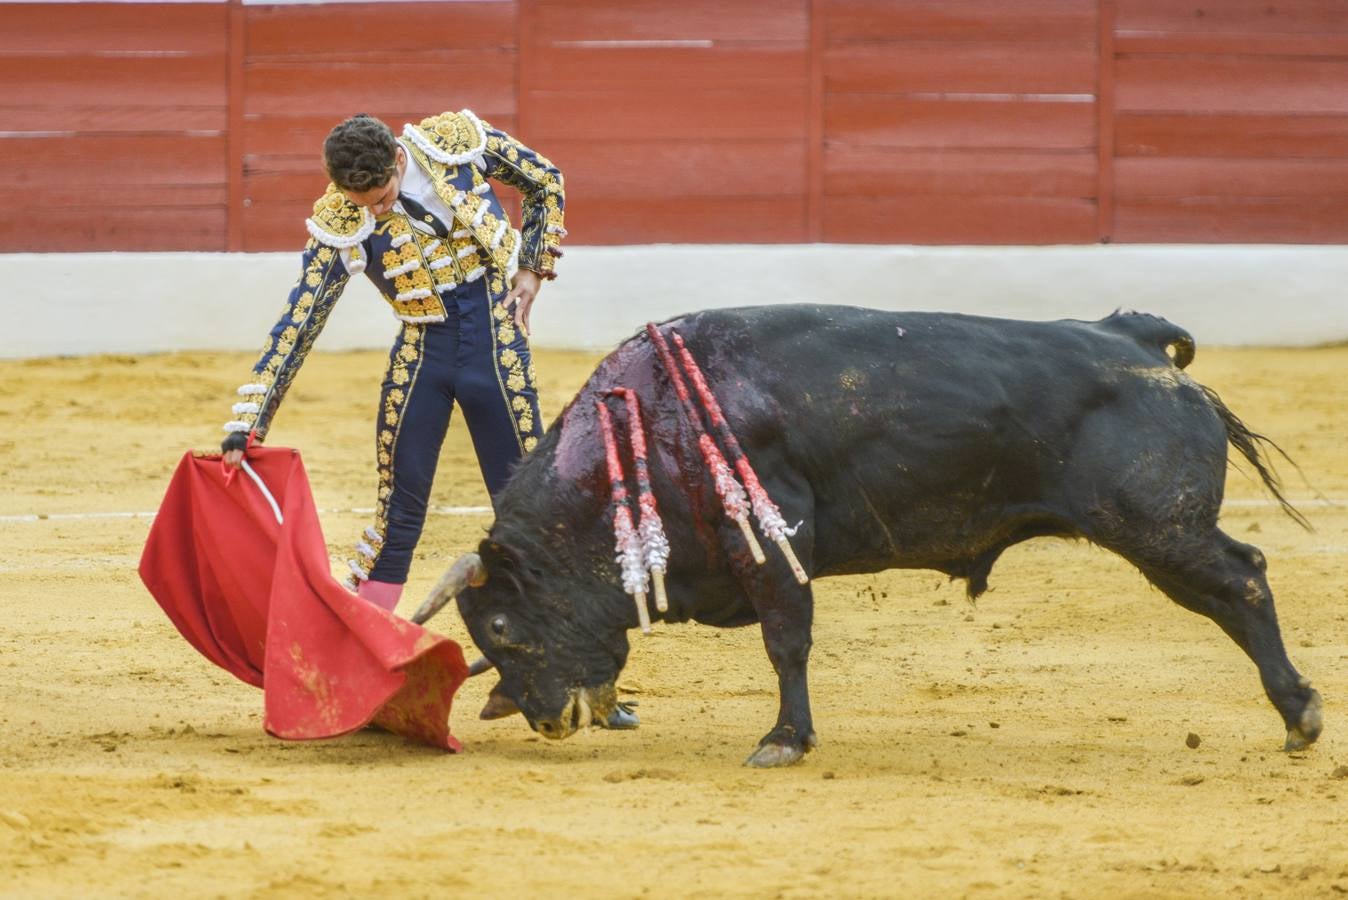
[1235,295]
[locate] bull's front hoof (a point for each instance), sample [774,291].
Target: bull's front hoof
[770,756]
[773,752]
[1304,733]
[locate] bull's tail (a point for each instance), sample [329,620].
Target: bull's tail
[1251,445]
[1153,331]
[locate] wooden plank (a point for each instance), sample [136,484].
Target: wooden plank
[82,79]
[759,67]
[1105,102]
[295,190]
[100,227]
[1232,84]
[725,114]
[348,88]
[1227,220]
[1146,180]
[864,170]
[81,196]
[953,20]
[1040,67]
[156,161]
[1238,43]
[1239,16]
[932,219]
[235,135]
[303,134]
[1231,135]
[563,21]
[377,32]
[113,28]
[672,170]
[110,117]
[903,122]
[814,125]
[736,220]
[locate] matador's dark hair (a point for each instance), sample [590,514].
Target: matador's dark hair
[360,153]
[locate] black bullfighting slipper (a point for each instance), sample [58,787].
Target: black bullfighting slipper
[622,718]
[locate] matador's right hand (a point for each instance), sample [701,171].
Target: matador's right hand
[233,446]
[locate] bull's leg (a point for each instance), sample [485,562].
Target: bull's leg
[786,619]
[1223,579]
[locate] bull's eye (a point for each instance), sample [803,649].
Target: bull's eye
[498,626]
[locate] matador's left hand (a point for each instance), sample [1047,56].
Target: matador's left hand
[522,296]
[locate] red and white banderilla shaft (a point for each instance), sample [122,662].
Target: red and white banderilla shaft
[733,498]
[626,542]
[654,544]
[769,516]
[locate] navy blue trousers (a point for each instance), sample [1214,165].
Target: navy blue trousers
[476,358]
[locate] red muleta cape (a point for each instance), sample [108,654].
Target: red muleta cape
[258,599]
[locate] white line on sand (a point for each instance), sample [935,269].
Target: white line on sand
[67,517]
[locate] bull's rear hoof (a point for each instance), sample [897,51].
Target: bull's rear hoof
[771,756]
[1308,729]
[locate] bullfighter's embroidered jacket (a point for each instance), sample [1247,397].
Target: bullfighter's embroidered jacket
[409,263]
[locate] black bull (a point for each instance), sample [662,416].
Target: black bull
[898,440]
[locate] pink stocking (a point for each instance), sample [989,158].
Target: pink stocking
[383,594]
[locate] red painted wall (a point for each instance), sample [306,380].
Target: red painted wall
[199,126]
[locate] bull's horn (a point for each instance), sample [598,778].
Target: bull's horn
[478,666]
[467,570]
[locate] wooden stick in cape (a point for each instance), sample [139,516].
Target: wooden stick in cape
[769,516]
[733,498]
[626,542]
[654,544]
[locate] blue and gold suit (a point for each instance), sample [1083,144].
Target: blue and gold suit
[446,281]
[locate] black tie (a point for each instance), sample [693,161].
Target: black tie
[416,211]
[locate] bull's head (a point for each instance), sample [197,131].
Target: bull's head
[558,651]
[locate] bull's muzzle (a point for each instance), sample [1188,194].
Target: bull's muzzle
[584,707]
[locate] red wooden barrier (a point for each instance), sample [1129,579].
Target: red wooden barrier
[199,125]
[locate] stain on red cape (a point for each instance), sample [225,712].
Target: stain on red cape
[258,599]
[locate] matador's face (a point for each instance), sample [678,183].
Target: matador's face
[379,200]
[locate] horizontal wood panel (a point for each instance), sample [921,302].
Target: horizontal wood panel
[863,170]
[294,190]
[112,194]
[159,161]
[1243,16]
[946,67]
[695,220]
[102,227]
[1296,220]
[1231,84]
[931,219]
[84,79]
[483,82]
[763,67]
[975,20]
[110,117]
[1180,179]
[560,21]
[303,135]
[676,169]
[1235,42]
[898,121]
[357,30]
[1232,135]
[114,27]
[669,114]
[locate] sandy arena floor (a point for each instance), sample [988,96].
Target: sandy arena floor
[1032,746]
